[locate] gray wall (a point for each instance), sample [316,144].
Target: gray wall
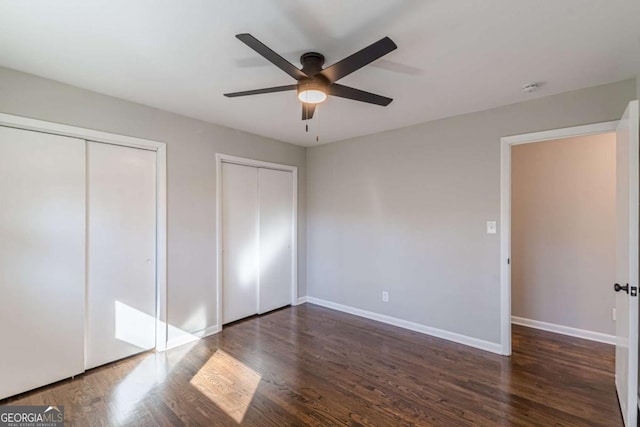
[191,149]
[406,211]
[563,231]
[402,211]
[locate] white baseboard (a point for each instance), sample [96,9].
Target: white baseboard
[564,330]
[193,336]
[302,300]
[417,327]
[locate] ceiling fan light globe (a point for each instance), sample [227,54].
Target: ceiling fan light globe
[312,96]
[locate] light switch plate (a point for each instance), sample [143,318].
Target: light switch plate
[492,227]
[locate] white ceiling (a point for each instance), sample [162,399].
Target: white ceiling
[453,57]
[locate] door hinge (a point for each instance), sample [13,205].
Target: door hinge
[508,260]
[634,291]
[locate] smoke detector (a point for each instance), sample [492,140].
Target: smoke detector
[530,87]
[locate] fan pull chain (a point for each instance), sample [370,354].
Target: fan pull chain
[306,117]
[318,123]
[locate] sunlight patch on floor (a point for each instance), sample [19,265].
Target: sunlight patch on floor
[228,383]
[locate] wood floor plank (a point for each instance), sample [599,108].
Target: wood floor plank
[311,366]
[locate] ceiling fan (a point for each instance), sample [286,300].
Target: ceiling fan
[314,83]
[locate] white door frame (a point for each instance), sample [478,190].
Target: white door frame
[505,210]
[225,158]
[160,148]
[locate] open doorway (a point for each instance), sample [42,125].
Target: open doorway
[563,236]
[552,237]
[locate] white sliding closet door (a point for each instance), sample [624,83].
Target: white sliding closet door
[257,240]
[42,263]
[121,291]
[239,242]
[276,238]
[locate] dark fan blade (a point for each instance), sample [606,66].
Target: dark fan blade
[308,110]
[358,95]
[259,91]
[271,56]
[359,59]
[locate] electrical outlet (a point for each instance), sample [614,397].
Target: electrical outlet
[385,296]
[613,314]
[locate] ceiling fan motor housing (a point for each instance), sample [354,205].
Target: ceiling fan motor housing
[312,63]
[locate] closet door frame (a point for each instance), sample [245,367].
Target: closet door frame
[160,149]
[225,158]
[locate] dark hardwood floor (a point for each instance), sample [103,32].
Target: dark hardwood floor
[311,366]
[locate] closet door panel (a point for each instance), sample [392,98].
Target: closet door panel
[121,292]
[276,238]
[42,259]
[239,241]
